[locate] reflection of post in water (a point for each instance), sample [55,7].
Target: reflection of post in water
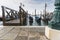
[30,23]
[45,22]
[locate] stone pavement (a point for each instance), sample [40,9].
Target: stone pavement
[19,33]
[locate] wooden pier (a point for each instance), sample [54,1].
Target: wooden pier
[12,17]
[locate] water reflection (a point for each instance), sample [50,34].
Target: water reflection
[1,23]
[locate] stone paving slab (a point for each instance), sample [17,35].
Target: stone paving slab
[4,31]
[34,34]
[11,35]
[17,33]
[23,32]
[34,38]
[22,38]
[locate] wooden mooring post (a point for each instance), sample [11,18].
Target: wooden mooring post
[3,15]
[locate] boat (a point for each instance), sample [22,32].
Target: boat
[38,19]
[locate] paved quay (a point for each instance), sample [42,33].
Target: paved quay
[22,33]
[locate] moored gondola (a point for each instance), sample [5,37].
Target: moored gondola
[38,20]
[30,20]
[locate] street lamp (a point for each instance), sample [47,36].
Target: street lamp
[20,13]
[21,5]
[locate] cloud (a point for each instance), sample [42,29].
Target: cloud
[30,5]
[39,5]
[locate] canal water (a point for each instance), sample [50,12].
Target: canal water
[1,23]
[34,23]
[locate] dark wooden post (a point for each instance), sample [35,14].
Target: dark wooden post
[20,14]
[3,15]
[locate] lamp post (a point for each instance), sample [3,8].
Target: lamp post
[21,5]
[55,22]
[20,14]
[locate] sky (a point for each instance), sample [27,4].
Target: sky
[29,5]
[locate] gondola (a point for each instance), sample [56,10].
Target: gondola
[38,19]
[30,20]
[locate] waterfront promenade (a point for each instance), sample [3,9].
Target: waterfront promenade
[22,33]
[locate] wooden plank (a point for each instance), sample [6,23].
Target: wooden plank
[12,24]
[14,21]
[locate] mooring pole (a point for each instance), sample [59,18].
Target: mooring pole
[3,15]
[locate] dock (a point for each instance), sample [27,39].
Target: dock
[12,17]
